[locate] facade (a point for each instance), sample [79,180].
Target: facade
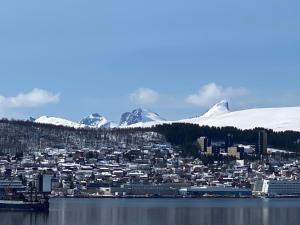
[235,151]
[205,145]
[280,187]
[149,190]
[10,186]
[262,143]
[15,185]
[215,191]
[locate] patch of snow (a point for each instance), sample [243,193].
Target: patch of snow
[58,122]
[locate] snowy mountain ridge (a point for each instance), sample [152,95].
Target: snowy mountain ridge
[139,116]
[278,119]
[218,109]
[58,122]
[95,120]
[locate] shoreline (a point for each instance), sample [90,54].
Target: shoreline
[198,198]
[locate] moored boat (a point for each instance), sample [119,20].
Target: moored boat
[10,205]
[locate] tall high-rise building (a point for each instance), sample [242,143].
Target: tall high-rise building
[203,143]
[262,143]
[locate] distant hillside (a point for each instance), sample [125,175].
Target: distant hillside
[22,136]
[277,119]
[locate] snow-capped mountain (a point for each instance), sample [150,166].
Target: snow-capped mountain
[278,119]
[218,109]
[97,121]
[139,116]
[31,119]
[58,122]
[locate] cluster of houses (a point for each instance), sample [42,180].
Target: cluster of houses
[155,170]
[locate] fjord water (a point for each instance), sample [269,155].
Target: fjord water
[161,212]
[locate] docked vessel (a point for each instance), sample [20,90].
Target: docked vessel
[14,196]
[11,205]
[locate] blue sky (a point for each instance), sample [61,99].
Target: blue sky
[72,58]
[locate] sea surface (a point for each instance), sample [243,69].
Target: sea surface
[161,212]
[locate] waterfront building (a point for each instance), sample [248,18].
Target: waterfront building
[11,185]
[281,187]
[149,190]
[215,191]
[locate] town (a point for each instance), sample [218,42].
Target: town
[154,168]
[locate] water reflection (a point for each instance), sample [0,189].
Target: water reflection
[161,212]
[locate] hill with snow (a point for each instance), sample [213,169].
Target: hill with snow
[218,109]
[277,119]
[139,116]
[97,121]
[58,122]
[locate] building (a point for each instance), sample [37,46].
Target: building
[235,151]
[257,187]
[262,143]
[280,187]
[215,191]
[149,190]
[10,186]
[205,145]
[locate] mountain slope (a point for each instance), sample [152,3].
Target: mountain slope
[218,109]
[97,121]
[139,116]
[58,122]
[277,119]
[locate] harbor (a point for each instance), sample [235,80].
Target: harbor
[161,212]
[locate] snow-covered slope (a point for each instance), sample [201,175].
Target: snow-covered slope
[58,122]
[218,109]
[278,119]
[139,116]
[97,121]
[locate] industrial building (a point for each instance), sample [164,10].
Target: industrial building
[215,191]
[275,188]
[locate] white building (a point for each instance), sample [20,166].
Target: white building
[280,187]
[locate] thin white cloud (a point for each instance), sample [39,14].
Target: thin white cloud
[211,93]
[144,96]
[35,98]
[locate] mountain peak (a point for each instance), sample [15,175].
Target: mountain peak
[139,115]
[220,108]
[95,115]
[95,120]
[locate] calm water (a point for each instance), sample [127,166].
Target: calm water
[162,212]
